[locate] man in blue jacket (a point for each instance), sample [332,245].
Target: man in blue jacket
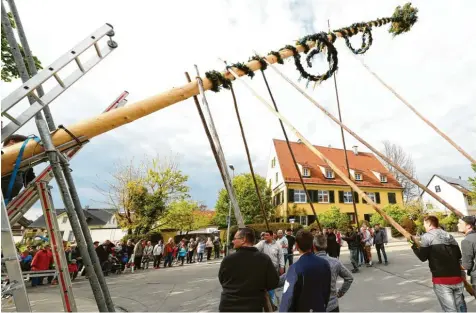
[308,282]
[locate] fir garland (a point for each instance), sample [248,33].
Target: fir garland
[367,34]
[262,62]
[217,79]
[402,20]
[243,67]
[278,56]
[320,38]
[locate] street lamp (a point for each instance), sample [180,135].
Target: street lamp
[229,215]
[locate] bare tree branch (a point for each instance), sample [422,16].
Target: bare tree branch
[401,158]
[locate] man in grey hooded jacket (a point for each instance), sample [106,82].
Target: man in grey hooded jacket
[468,247]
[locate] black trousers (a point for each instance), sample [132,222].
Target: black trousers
[157,259]
[217,252]
[209,253]
[189,256]
[381,247]
[137,262]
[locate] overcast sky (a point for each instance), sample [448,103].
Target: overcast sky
[432,66]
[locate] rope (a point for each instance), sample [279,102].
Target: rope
[291,151]
[248,157]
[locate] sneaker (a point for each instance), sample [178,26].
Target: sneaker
[380,262]
[355,270]
[386,263]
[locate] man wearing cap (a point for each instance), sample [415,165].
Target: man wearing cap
[468,247]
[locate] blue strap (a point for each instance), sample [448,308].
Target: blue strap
[17,166]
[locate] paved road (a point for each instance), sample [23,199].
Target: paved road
[403,285]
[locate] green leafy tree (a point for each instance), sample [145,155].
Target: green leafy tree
[184,216]
[334,218]
[472,181]
[392,210]
[9,68]
[141,194]
[247,200]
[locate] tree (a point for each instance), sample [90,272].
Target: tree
[9,68]
[141,194]
[472,181]
[247,200]
[185,216]
[334,218]
[399,157]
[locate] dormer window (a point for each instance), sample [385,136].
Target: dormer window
[306,172]
[358,176]
[383,178]
[329,173]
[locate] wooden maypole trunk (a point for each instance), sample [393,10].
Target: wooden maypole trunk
[105,122]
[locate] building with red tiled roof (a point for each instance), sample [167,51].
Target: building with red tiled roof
[326,189]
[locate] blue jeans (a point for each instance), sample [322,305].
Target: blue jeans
[288,258]
[451,297]
[168,260]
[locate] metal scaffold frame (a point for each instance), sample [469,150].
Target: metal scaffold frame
[58,168]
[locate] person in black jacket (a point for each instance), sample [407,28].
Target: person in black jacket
[291,242]
[442,252]
[353,241]
[246,276]
[22,179]
[332,246]
[468,247]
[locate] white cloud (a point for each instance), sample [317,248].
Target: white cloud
[432,66]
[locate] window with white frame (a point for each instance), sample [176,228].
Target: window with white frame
[70,236]
[270,183]
[306,172]
[437,188]
[299,196]
[323,196]
[383,178]
[302,220]
[358,176]
[65,219]
[273,162]
[372,196]
[329,173]
[347,196]
[276,177]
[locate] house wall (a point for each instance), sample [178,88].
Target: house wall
[362,208]
[108,231]
[448,193]
[112,234]
[272,170]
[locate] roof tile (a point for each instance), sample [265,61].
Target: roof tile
[364,162]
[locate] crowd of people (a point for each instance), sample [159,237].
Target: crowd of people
[120,256]
[250,276]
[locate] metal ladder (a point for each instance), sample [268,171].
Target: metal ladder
[16,285]
[58,162]
[29,196]
[30,88]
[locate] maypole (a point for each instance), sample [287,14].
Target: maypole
[401,21]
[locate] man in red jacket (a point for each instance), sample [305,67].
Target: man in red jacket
[41,262]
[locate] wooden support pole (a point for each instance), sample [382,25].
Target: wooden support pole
[344,177]
[110,120]
[433,126]
[313,149]
[368,145]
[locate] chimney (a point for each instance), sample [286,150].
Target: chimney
[356,150]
